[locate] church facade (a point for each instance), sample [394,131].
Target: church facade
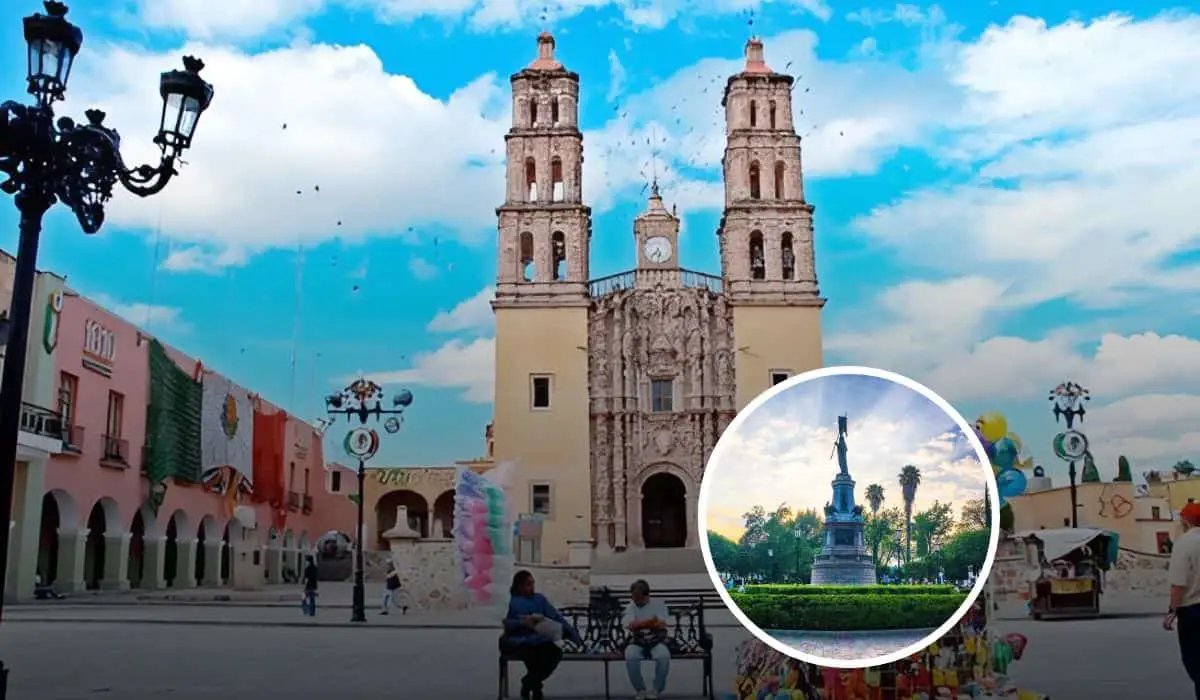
[611,393]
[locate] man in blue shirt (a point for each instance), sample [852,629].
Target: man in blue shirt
[531,629]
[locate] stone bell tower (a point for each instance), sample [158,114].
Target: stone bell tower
[541,306]
[766,233]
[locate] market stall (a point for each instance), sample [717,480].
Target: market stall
[966,664]
[1071,563]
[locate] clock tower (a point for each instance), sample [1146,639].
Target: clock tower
[656,233]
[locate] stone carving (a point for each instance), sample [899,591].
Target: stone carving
[635,335]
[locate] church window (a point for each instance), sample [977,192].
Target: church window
[662,395]
[559,244]
[771,113]
[780,169]
[554,112]
[753,113]
[758,265]
[539,390]
[531,179]
[527,268]
[779,376]
[556,178]
[541,501]
[533,115]
[788,255]
[755,189]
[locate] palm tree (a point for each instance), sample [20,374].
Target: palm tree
[910,479]
[875,497]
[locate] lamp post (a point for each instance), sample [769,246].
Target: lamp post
[44,160]
[363,401]
[799,532]
[1069,400]
[771,565]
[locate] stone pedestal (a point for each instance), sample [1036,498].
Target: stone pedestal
[116,563]
[72,552]
[579,552]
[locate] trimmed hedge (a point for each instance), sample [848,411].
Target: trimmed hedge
[804,589]
[844,613]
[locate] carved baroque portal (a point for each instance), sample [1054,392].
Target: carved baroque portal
[637,336]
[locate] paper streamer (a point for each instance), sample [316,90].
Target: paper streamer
[483,535]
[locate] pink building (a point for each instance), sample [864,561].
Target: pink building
[128,504]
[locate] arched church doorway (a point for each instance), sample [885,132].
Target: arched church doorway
[664,512]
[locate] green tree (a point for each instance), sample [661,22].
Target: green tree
[910,479]
[964,552]
[973,515]
[725,554]
[1184,468]
[1091,474]
[1124,472]
[875,497]
[931,526]
[879,535]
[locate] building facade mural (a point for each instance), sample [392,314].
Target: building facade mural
[611,393]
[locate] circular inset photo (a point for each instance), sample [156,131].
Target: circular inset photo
[851,515]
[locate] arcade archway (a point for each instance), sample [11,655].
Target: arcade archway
[443,516]
[664,511]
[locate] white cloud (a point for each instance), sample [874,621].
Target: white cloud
[422,269]
[474,314]
[195,258]
[148,317]
[386,157]
[616,76]
[246,19]
[468,367]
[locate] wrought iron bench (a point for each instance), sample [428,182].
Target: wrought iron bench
[604,638]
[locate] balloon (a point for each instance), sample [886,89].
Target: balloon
[1006,454]
[1010,482]
[1016,440]
[992,425]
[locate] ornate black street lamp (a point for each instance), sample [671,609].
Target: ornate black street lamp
[44,160]
[363,401]
[1069,400]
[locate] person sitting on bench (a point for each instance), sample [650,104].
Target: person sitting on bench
[646,620]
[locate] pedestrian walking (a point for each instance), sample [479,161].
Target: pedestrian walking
[310,587]
[391,590]
[1183,573]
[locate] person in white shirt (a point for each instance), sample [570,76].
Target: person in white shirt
[646,620]
[1183,573]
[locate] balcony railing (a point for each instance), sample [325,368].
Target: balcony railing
[41,421]
[307,507]
[293,502]
[73,439]
[116,451]
[648,278]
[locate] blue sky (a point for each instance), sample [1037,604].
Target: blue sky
[1004,191]
[783,451]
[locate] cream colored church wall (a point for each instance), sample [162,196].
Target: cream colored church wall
[550,446]
[773,338]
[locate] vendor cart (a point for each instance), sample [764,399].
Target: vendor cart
[1071,563]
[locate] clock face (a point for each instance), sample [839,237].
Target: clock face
[657,249]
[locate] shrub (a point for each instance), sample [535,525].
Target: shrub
[844,613]
[802,589]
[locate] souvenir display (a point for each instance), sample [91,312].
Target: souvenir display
[969,663]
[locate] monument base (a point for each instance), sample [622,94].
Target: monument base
[843,569]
